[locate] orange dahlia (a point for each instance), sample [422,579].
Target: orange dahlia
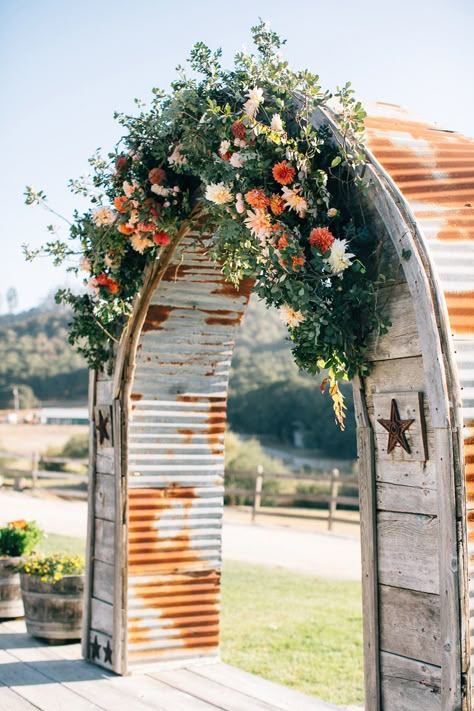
[125,229]
[322,238]
[120,204]
[277,204]
[239,130]
[283,172]
[283,242]
[257,199]
[297,262]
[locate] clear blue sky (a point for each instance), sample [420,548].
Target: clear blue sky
[66,66]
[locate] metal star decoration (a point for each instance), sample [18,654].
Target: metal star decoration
[103,427]
[95,648]
[108,652]
[396,429]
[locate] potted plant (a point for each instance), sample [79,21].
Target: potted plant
[17,538]
[52,587]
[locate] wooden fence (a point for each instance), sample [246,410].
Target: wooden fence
[333,479]
[33,470]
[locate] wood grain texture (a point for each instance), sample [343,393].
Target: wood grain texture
[103,577]
[91,528]
[408,551]
[368,536]
[104,541]
[102,616]
[402,340]
[410,624]
[409,684]
[407,499]
[104,501]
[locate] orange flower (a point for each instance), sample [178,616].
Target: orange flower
[322,238]
[277,204]
[156,176]
[297,262]
[257,199]
[145,227]
[105,280]
[239,130]
[283,242]
[126,229]
[20,523]
[120,204]
[283,173]
[162,239]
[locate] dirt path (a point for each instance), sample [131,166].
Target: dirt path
[321,554]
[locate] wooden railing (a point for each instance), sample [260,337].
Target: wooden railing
[333,480]
[34,471]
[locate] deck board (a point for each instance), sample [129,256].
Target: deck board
[37,677]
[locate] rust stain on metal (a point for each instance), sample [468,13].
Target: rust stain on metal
[136,396]
[222,317]
[156,317]
[188,602]
[461,310]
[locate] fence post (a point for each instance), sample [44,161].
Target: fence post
[34,469]
[333,499]
[257,496]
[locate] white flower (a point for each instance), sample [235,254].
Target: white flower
[103,216]
[176,158]
[339,259]
[294,201]
[218,193]
[237,160]
[255,99]
[85,264]
[290,316]
[160,190]
[259,223]
[224,148]
[277,124]
[239,203]
[240,143]
[130,188]
[332,212]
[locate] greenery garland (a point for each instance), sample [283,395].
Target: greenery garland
[235,150]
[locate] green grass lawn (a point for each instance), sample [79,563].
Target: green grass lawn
[300,631]
[293,629]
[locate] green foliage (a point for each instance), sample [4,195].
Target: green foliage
[19,538]
[202,156]
[246,455]
[77,447]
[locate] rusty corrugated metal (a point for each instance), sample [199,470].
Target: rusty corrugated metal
[434,171]
[176,461]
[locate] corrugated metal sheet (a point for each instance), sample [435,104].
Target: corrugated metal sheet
[176,461]
[434,171]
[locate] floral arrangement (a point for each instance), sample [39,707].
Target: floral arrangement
[234,155]
[51,568]
[19,538]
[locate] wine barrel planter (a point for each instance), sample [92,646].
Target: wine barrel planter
[11,604]
[53,611]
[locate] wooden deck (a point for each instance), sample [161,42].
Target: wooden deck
[36,676]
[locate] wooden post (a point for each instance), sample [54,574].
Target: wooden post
[333,500]
[257,496]
[34,469]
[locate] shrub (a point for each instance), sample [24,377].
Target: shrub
[19,538]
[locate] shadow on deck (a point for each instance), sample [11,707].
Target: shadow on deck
[36,676]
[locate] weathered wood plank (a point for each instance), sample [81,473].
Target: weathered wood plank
[408,551]
[414,474]
[407,499]
[408,684]
[399,375]
[36,687]
[105,497]
[104,462]
[101,616]
[410,624]
[103,575]
[11,701]
[402,340]
[368,535]
[104,540]
[90,539]
[211,691]
[120,579]
[256,687]
[104,390]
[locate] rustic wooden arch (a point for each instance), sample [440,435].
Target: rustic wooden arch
[157,448]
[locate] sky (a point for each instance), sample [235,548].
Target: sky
[65,67]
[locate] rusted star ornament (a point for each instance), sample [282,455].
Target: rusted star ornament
[396,429]
[103,427]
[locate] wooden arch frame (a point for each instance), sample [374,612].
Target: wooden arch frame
[416,611]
